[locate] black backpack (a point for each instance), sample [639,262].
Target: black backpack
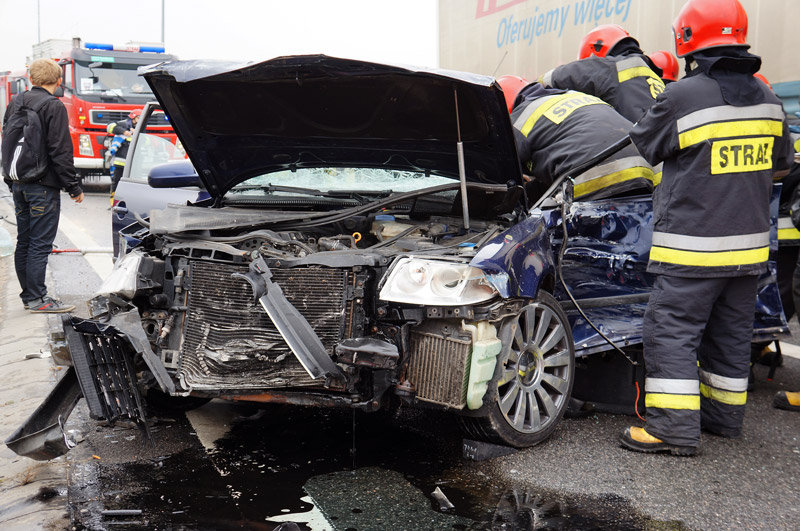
[24,148]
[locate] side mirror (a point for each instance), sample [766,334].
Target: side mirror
[177,174]
[59,92]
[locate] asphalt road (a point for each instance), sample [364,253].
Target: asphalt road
[226,466]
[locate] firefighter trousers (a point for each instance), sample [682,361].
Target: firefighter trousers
[697,334]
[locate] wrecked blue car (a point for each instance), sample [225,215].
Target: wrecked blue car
[370,243]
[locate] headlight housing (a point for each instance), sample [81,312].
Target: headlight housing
[436,283]
[85,145]
[123,278]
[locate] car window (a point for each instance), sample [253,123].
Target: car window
[335,179]
[150,151]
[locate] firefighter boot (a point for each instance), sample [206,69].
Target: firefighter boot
[787,400]
[638,440]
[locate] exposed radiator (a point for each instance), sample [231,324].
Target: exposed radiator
[438,368]
[231,343]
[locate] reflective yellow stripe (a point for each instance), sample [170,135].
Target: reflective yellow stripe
[531,121]
[665,401]
[730,129]
[656,179]
[797,145]
[709,259]
[725,397]
[789,234]
[611,179]
[572,100]
[637,71]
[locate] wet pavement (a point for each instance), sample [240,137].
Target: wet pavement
[289,464]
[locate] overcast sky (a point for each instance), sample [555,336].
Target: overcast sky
[400,31]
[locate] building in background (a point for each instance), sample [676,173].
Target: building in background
[529,37]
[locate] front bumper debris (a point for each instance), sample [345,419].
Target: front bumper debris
[42,436]
[102,372]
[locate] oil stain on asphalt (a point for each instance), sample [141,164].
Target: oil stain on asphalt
[298,468]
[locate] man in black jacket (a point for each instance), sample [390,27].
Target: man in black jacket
[38,204]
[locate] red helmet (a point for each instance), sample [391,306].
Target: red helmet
[511,86]
[703,24]
[600,40]
[762,78]
[135,113]
[666,62]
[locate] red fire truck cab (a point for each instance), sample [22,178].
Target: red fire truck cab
[11,84]
[101,86]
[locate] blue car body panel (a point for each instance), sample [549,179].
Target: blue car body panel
[606,256]
[518,259]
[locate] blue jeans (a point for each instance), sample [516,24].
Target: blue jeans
[37,208]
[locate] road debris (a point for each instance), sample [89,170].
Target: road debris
[444,503]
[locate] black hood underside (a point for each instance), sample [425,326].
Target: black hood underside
[237,121]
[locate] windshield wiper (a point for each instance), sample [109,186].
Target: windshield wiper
[341,215]
[360,195]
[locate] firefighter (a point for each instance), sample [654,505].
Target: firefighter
[786,256]
[668,64]
[722,136]
[787,399]
[123,132]
[556,130]
[612,67]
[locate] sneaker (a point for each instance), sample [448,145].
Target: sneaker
[638,440]
[49,305]
[787,400]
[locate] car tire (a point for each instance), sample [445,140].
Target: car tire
[158,400]
[533,378]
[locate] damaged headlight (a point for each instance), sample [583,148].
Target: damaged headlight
[436,282]
[123,278]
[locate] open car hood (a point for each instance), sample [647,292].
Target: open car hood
[239,120]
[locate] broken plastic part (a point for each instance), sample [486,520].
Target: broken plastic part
[444,503]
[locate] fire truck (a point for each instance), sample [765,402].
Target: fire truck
[101,86]
[11,84]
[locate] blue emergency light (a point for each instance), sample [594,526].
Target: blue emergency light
[99,46]
[110,47]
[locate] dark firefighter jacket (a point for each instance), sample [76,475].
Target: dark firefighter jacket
[788,233]
[61,171]
[626,82]
[557,130]
[120,142]
[711,210]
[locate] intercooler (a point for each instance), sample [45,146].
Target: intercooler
[231,344]
[438,368]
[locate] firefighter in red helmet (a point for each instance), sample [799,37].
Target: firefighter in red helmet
[722,137]
[557,130]
[668,64]
[511,86]
[612,67]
